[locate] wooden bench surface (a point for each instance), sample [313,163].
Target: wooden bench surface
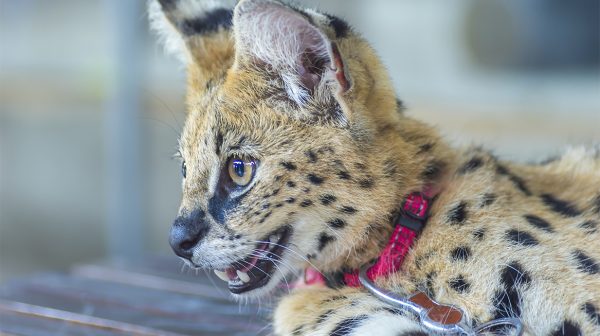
[150,297]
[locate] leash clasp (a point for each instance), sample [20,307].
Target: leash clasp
[435,317]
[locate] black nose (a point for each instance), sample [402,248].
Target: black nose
[186,232]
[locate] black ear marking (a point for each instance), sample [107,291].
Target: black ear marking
[340,26]
[209,22]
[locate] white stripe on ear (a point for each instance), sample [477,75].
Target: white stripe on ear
[290,45]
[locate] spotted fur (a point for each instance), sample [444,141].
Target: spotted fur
[307,97]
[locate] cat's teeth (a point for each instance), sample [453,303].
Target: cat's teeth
[222,275]
[243,276]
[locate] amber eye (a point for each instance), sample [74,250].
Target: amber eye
[241,171]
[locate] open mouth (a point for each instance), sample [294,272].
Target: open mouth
[256,270]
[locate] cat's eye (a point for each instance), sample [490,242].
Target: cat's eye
[183,169]
[241,171]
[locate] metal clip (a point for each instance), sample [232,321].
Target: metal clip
[437,318]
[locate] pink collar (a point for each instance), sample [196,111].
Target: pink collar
[408,225]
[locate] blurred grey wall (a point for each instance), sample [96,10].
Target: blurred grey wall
[514,75]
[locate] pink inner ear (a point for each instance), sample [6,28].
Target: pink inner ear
[308,79]
[340,75]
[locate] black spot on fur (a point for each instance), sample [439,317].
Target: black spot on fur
[413,333]
[335,298]
[471,165]
[347,326]
[590,226]
[266,205]
[344,175]
[521,237]
[562,207]
[324,240]
[340,26]
[327,199]
[279,205]
[461,253]
[459,284]
[592,312]
[208,23]
[366,183]
[312,156]
[290,200]
[288,165]
[389,168]
[323,317]
[567,328]
[585,263]
[393,311]
[516,180]
[479,234]
[597,204]
[315,179]
[348,209]
[458,214]
[306,203]
[360,166]
[433,170]
[539,223]
[298,330]
[291,184]
[336,223]
[429,280]
[488,199]
[508,301]
[425,148]
[265,217]
[218,142]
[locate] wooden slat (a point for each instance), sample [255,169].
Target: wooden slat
[72,323]
[153,308]
[152,293]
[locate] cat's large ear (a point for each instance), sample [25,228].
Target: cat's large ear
[297,46]
[197,32]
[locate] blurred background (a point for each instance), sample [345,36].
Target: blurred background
[90,107]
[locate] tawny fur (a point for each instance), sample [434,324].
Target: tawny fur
[243,99]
